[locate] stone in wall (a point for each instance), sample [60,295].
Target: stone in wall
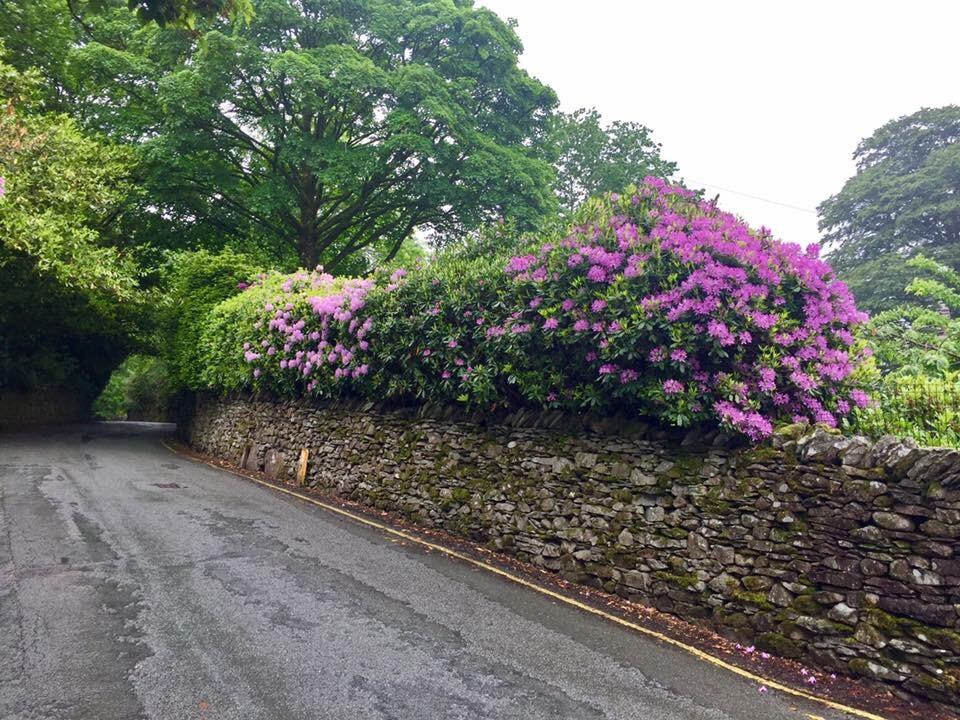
[838,550]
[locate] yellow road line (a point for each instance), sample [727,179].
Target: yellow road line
[695,651]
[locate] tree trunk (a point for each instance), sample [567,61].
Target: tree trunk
[307,246]
[307,240]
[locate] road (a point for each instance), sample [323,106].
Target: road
[135,583]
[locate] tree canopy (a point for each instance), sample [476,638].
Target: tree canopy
[323,127]
[904,199]
[591,158]
[185,13]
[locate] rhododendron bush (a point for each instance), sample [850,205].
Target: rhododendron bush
[654,303]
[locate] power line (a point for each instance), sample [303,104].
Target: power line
[756,197]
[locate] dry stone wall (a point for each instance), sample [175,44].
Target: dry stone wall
[837,550]
[54,406]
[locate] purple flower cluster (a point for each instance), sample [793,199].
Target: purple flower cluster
[760,328]
[654,302]
[316,330]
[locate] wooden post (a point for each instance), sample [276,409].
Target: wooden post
[302,467]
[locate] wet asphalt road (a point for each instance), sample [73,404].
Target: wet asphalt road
[137,584]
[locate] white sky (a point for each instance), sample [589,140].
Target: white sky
[763,97]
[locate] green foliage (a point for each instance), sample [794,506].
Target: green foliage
[410,254]
[70,303]
[591,159]
[219,363]
[139,389]
[38,36]
[185,13]
[926,409]
[902,200]
[408,323]
[635,309]
[917,346]
[219,358]
[348,127]
[61,188]
[84,51]
[322,129]
[111,403]
[921,338]
[881,284]
[196,283]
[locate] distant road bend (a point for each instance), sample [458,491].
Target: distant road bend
[138,584]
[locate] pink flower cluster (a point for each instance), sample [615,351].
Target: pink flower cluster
[320,333]
[654,302]
[679,295]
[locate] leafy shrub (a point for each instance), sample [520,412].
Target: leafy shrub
[922,337]
[926,409]
[198,281]
[231,324]
[654,303]
[917,345]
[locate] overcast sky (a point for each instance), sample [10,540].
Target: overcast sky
[748,96]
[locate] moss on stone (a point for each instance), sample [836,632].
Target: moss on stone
[622,495]
[941,637]
[945,683]
[806,605]
[685,580]
[756,599]
[761,454]
[933,490]
[756,583]
[748,485]
[779,645]
[893,626]
[733,619]
[713,502]
[672,533]
[890,625]
[782,535]
[793,431]
[685,470]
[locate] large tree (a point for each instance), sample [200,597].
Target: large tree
[904,199]
[327,126]
[592,158]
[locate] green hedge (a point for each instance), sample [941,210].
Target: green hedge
[653,303]
[198,282]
